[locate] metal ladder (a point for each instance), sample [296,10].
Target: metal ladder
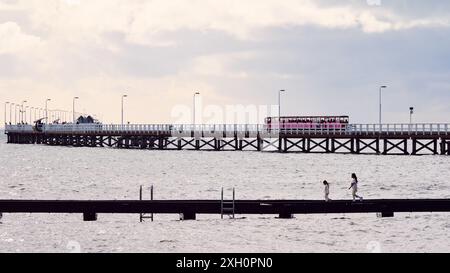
[228,207]
[143,216]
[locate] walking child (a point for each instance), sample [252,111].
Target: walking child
[354,188]
[327,190]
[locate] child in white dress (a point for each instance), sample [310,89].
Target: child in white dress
[354,188]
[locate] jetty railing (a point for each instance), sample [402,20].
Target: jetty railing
[233,129]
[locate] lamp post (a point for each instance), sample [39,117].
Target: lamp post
[21,116]
[16,117]
[46,109]
[411,112]
[10,112]
[195,94]
[6,105]
[26,118]
[381,88]
[73,108]
[123,97]
[279,107]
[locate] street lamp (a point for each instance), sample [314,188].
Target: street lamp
[411,112]
[10,112]
[46,109]
[381,88]
[6,105]
[16,118]
[123,97]
[73,108]
[195,94]
[22,112]
[26,118]
[279,107]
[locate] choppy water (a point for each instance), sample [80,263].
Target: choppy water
[42,172]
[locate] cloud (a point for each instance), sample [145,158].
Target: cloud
[242,19]
[145,22]
[222,65]
[13,40]
[326,53]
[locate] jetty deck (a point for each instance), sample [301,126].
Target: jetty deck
[385,139]
[190,208]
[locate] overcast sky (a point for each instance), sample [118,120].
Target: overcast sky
[331,56]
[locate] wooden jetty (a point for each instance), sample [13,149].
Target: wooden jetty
[188,209]
[384,139]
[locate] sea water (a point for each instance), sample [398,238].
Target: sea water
[45,172]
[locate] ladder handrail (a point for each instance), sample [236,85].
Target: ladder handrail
[141,219]
[234,199]
[222,202]
[142,215]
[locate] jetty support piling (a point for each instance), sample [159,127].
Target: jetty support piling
[386,214]
[286,215]
[188,215]
[89,216]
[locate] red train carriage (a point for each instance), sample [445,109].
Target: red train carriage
[307,122]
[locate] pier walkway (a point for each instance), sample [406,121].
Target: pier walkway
[190,208]
[387,139]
